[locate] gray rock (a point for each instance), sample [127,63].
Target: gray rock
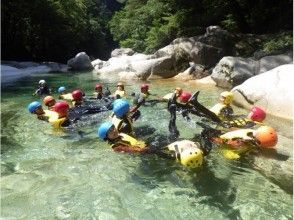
[81,62]
[232,71]
[122,51]
[98,64]
[56,67]
[269,62]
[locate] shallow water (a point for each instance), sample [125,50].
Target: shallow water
[48,174]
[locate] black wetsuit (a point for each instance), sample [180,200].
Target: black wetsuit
[43,90]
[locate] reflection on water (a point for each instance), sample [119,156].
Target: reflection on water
[72,175]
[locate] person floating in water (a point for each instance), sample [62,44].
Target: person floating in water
[43,88]
[58,117]
[49,101]
[122,117]
[223,108]
[63,94]
[255,117]
[120,92]
[237,142]
[186,152]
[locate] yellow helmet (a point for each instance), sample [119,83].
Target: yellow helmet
[227,97]
[191,157]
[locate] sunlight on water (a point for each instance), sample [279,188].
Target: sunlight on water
[71,174]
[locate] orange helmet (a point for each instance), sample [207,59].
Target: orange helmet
[266,136]
[48,99]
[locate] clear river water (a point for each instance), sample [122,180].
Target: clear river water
[71,174]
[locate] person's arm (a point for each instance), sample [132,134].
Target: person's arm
[128,149]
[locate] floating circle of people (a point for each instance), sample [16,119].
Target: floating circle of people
[233,134]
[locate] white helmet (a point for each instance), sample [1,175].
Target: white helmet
[42,81]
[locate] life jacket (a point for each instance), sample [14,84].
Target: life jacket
[236,142]
[128,141]
[118,123]
[218,110]
[67,96]
[121,93]
[54,120]
[98,95]
[77,103]
[242,123]
[188,153]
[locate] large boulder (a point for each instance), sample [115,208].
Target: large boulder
[272,90]
[122,51]
[139,66]
[81,62]
[269,62]
[232,71]
[98,64]
[195,71]
[205,49]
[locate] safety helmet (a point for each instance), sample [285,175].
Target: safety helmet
[103,129]
[61,89]
[121,107]
[98,87]
[120,84]
[185,96]
[179,90]
[228,97]
[191,157]
[257,114]
[33,106]
[77,94]
[266,136]
[42,81]
[61,107]
[48,99]
[144,88]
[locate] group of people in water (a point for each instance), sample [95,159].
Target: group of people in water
[235,134]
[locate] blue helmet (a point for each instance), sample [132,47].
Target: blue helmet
[61,89]
[121,107]
[33,106]
[103,129]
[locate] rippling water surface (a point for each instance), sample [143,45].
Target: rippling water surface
[47,174]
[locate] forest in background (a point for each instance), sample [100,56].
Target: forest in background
[56,30]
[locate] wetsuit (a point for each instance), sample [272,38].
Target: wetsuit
[43,90]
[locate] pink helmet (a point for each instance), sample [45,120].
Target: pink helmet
[144,87]
[185,96]
[257,114]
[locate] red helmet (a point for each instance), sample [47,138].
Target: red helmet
[144,87]
[185,96]
[257,114]
[266,136]
[98,87]
[77,95]
[61,107]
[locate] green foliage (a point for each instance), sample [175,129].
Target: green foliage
[57,29]
[279,42]
[148,25]
[53,29]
